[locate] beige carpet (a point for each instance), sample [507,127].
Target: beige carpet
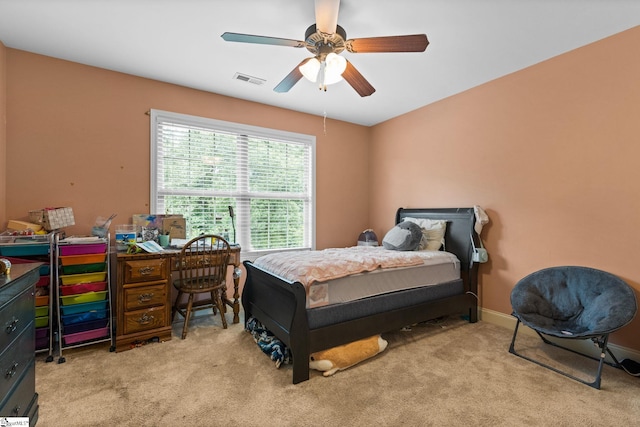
[449,373]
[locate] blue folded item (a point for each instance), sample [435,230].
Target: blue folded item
[269,343]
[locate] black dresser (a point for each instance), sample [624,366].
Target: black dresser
[18,397]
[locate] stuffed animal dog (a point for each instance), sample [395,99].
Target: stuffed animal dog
[344,356]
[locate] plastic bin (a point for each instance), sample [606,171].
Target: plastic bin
[41,322]
[42,343]
[81,288]
[42,338]
[82,259]
[85,326]
[74,279]
[24,249]
[83,317]
[84,268]
[85,336]
[83,298]
[42,300]
[83,249]
[43,281]
[42,311]
[42,332]
[81,308]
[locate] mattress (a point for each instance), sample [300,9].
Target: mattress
[439,267]
[343,312]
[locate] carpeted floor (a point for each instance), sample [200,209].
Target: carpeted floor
[446,373]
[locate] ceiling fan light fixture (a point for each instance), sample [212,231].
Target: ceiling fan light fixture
[326,73]
[310,69]
[335,66]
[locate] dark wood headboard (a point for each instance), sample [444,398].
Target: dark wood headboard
[460,229]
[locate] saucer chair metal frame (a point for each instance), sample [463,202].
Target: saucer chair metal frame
[573,303]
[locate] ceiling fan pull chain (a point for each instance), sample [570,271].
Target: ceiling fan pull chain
[324,122]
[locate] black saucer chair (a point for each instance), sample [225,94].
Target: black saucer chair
[573,303]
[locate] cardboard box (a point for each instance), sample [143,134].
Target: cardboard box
[175,226]
[23,225]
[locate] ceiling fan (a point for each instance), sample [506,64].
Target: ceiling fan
[326,40]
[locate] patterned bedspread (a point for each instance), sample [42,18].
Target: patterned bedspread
[308,267]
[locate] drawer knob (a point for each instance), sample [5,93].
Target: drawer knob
[145,319]
[145,271]
[11,371]
[142,298]
[12,326]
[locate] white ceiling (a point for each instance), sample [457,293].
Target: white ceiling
[471,42]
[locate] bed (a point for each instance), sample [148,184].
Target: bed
[281,305]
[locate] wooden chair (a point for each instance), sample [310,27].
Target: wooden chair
[202,269]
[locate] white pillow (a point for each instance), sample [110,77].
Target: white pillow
[432,233]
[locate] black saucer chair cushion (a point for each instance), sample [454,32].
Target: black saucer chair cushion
[573,302]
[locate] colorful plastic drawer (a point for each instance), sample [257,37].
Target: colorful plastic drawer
[42,332]
[45,269]
[85,326]
[42,338]
[82,259]
[83,298]
[42,300]
[42,343]
[83,249]
[43,281]
[41,322]
[81,308]
[84,268]
[74,279]
[81,288]
[42,311]
[24,249]
[83,317]
[85,336]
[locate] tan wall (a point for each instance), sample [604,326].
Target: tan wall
[551,152]
[78,136]
[3,133]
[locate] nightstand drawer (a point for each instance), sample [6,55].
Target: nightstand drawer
[19,403]
[15,317]
[145,296]
[15,359]
[145,270]
[142,320]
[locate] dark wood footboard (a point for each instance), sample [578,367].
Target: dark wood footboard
[280,306]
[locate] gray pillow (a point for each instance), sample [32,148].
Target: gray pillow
[405,236]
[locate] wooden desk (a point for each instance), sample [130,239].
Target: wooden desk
[143,306]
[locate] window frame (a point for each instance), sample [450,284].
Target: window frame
[159,116]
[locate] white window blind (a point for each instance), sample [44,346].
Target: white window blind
[200,167]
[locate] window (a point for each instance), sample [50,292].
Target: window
[205,169]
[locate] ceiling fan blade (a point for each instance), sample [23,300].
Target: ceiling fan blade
[291,79]
[327,15]
[357,81]
[248,38]
[409,43]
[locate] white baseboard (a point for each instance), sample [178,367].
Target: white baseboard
[583,346]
